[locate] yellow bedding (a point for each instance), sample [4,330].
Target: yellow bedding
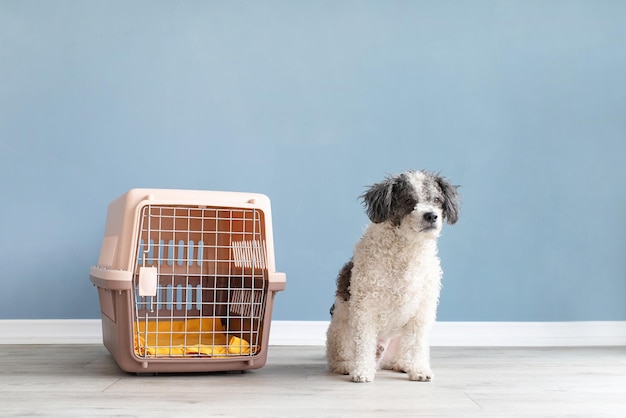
[191,337]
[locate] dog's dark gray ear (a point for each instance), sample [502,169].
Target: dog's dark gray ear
[378,199]
[451,200]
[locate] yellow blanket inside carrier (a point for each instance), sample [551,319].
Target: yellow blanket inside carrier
[191,337]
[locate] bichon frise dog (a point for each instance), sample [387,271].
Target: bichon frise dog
[387,294]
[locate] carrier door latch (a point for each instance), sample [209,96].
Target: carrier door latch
[148,280]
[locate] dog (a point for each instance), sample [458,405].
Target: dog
[387,294]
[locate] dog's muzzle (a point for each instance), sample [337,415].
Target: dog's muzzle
[431,217]
[429,220]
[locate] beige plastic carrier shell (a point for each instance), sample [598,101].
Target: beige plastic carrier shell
[186,280]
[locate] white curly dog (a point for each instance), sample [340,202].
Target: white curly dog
[387,294]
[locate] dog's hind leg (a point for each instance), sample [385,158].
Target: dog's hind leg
[339,340]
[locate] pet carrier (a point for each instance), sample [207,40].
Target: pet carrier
[186,280]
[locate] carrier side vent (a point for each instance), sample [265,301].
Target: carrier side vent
[247,303]
[250,254]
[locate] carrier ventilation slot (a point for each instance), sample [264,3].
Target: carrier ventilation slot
[247,302]
[246,254]
[169,252]
[172,298]
[249,254]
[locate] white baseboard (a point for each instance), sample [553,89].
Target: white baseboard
[445,334]
[50,331]
[479,334]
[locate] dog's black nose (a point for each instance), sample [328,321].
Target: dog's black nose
[430,217]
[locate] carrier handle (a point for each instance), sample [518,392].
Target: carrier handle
[111,279]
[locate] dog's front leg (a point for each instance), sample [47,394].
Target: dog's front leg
[364,365]
[414,357]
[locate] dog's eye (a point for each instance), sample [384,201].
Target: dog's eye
[409,202]
[437,200]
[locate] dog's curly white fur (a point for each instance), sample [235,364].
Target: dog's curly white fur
[387,294]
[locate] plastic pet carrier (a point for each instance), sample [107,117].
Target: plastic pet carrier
[186,280]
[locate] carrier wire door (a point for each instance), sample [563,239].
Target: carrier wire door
[186,280]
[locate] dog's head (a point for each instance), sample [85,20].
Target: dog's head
[418,200]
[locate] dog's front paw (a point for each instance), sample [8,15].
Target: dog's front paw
[362,375]
[359,378]
[417,374]
[420,375]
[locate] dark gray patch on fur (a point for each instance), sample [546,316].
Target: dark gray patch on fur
[377,200]
[343,281]
[343,284]
[451,200]
[390,200]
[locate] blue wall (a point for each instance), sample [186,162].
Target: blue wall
[523,103]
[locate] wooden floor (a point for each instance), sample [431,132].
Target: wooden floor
[83,381]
